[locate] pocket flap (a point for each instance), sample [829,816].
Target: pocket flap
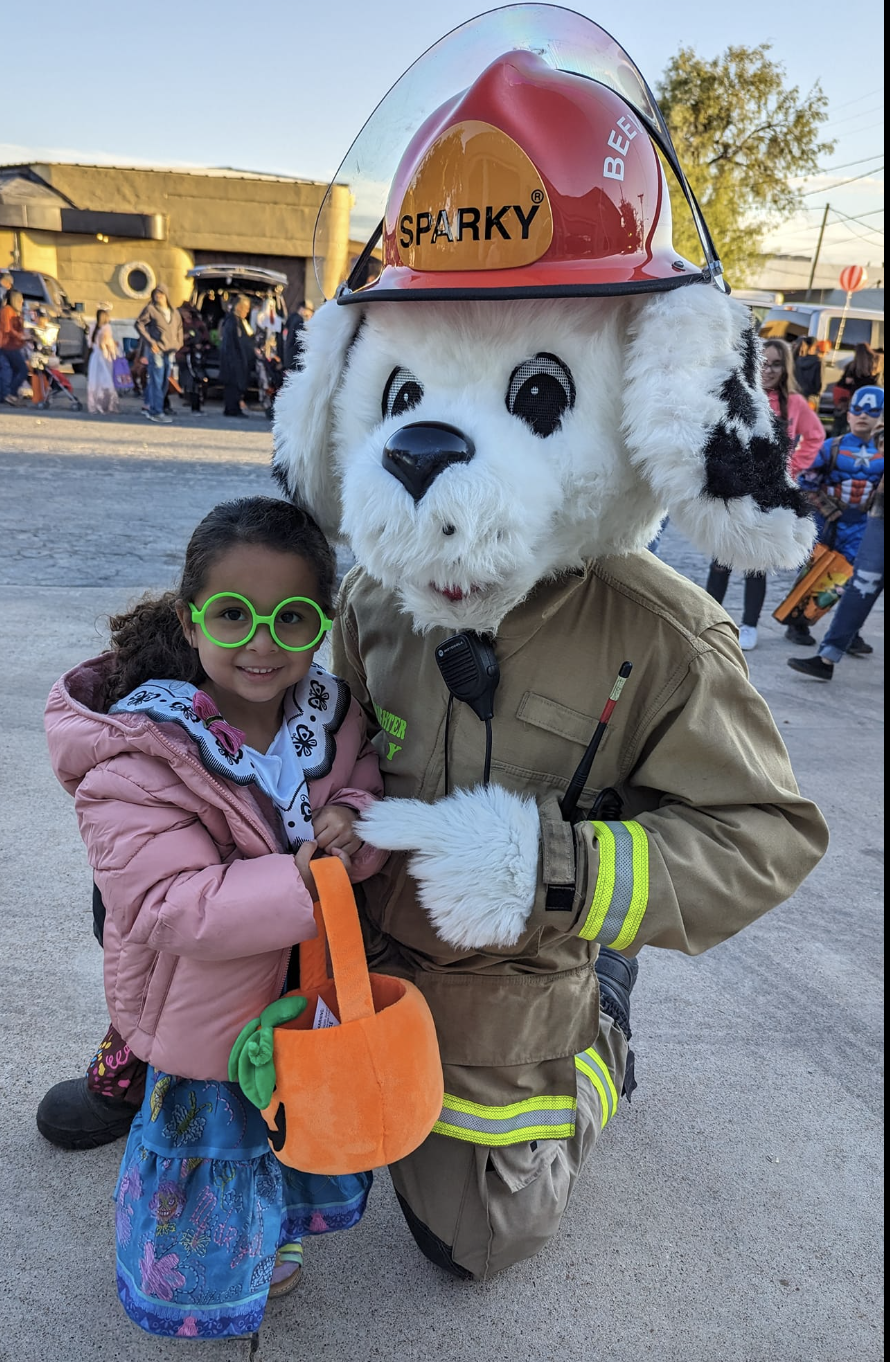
[559,719]
[494,1020]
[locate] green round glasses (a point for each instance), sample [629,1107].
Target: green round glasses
[230,621]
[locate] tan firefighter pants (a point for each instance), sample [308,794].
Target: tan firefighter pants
[494,1207]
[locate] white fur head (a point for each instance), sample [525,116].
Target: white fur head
[640,386]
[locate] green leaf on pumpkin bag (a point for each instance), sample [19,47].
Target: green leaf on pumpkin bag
[251,1062]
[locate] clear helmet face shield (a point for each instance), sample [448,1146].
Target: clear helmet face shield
[521,156]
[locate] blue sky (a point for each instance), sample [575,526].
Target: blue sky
[284,87]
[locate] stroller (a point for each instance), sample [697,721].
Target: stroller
[48,383]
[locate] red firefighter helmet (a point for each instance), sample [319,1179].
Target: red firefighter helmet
[535,182]
[538,178]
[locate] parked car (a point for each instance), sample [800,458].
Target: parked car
[758,301]
[47,293]
[213,287]
[823,321]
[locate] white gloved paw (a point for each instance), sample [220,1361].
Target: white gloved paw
[475,860]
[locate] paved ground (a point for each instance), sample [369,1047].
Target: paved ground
[731,1215]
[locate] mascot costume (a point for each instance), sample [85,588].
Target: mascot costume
[518,379]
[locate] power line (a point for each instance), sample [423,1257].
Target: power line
[859,98]
[831,188]
[863,113]
[862,216]
[844,165]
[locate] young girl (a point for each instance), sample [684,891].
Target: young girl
[210,758]
[101,392]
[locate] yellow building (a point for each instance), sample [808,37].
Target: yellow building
[111,233]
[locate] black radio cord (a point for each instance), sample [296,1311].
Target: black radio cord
[447,727]
[486,769]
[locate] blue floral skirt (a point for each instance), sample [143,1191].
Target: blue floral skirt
[203,1206]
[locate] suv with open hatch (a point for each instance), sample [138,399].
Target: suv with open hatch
[213,288]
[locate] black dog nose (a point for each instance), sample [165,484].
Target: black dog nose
[419,452]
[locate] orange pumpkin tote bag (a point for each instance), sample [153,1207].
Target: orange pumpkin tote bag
[347,1097]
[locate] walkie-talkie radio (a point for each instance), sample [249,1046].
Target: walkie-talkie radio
[470,670]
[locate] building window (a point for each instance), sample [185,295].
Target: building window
[136,279]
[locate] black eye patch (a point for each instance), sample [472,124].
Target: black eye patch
[402,392]
[540,392]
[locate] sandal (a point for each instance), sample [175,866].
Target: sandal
[288,1270]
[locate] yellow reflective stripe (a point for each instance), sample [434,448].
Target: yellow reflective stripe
[533,1118]
[597,1083]
[493,1139]
[605,882]
[590,1056]
[640,898]
[512,1109]
[621,893]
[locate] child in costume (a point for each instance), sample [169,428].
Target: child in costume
[210,758]
[841,479]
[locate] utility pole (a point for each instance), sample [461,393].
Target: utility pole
[818,249]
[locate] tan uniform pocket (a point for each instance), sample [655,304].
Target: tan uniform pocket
[517,1165]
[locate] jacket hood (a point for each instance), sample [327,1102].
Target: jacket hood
[81,736]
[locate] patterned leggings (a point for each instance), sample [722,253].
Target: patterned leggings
[114,1071]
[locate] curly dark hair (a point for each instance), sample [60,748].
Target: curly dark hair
[147,640]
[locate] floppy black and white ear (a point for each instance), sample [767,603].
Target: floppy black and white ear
[700,430]
[303,460]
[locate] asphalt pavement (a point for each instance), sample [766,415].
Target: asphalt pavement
[732,1213]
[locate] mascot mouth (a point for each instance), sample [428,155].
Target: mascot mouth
[455,593]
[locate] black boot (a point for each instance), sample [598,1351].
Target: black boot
[616,977]
[73,1117]
[798,633]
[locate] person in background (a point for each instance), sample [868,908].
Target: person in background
[13,369]
[237,356]
[806,435]
[809,370]
[293,339]
[160,327]
[864,369]
[101,392]
[859,597]
[6,283]
[266,317]
[191,359]
[841,481]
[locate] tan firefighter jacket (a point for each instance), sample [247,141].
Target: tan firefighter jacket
[713,832]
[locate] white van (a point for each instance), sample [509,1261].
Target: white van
[823,322]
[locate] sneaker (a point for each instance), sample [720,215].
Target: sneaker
[748,638]
[859,647]
[164,419]
[73,1117]
[800,634]
[816,667]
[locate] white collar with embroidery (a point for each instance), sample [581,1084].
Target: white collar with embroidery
[302,750]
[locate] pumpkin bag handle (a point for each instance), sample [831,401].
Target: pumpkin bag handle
[337,919]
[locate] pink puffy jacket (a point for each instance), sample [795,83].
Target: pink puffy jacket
[203,905]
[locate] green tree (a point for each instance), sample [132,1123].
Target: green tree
[741,135]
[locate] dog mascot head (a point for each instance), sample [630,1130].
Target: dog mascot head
[535,377]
